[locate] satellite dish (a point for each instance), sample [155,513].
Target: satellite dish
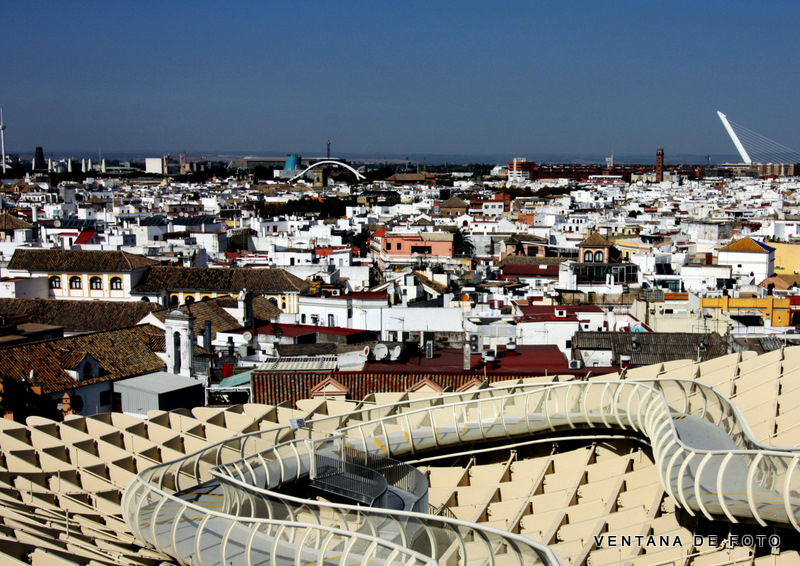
[247,336]
[396,351]
[365,352]
[57,223]
[381,351]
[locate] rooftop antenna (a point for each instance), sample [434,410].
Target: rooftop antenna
[3,139]
[329,149]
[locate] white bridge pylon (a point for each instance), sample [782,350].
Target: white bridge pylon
[358,175]
[735,139]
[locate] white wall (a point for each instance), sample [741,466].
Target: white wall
[33,288]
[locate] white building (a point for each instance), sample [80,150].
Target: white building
[751,261]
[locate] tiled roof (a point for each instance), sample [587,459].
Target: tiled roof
[748,245]
[263,309]
[531,260]
[10,222]
[530,269]
[595,241]
[83,316]
[652,347]
[221,321]
[781,281]
[85,237]
[454,202]
[158,343]
[78,261]
[122,353]
[445,369]
[525,238]
[215,279]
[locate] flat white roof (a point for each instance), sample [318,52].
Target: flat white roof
[158,382]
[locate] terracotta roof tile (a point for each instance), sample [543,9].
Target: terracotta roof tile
[454,202]
[80,316]
[595,241]
[221,321]
[121,353]
[748,245]
[219,279]
[10,222]
[78,261]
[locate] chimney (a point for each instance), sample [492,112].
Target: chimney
[245,304]
[207,336]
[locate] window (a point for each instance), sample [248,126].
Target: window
[116,283]
[75,282]
[587,256]
[331,320]
[389,246]
[105,398]
[302,319]
[598,257]
[96,284]
[55,282]
[399,246]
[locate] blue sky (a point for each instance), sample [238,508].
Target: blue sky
[380,78]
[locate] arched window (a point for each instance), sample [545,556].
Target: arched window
[116,283]
[55,282]
[174,301]
[598,257]
[96,284]
[75,282]
[587,256]
[189,300]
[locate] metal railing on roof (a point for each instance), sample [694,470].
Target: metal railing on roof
[741,479]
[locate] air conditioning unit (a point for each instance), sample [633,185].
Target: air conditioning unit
[575,364]
[336,293]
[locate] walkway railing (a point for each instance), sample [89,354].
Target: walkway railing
[737,478]
[358,483]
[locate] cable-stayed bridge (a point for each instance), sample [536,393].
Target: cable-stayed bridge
[755,148]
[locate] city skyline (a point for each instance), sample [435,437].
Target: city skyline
[450,79]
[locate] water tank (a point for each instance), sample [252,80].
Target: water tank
[292,162]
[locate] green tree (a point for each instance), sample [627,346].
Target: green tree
[462,243]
